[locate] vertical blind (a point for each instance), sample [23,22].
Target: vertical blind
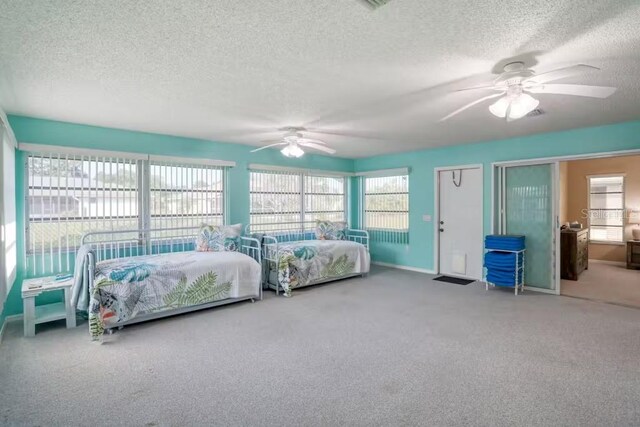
[281,197]
[185,195]
[68,196]
[606,208]
[386,208]
[324,198]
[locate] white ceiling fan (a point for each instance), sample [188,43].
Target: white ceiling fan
[293,141]
[516,83]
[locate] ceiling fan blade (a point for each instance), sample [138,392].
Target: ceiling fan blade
[490,86]
[347,133]
[318,147]
[269,146]
[561,73]
[577,90]
[315,141]
[471,104]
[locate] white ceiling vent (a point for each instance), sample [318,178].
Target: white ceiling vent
[374,4]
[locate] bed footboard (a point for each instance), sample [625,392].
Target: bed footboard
[251,247]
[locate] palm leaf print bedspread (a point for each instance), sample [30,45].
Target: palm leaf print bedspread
[130,287]
[311,261]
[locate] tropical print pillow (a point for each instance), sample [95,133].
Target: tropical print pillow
[213,238]
[329,230]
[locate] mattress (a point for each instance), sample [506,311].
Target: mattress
[126,288]
[307,262]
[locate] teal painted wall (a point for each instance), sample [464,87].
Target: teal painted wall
[38,131]
[419,252]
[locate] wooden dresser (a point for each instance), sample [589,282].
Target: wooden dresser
[574,253]
[633,254]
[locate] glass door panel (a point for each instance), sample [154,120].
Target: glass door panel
[529,211]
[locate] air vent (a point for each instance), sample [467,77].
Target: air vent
[374,4]
[535,113]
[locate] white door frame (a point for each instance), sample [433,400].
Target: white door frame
[555,163]
[436,216]
[4,287]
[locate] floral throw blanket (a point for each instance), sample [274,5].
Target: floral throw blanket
[130,287]
[306,262]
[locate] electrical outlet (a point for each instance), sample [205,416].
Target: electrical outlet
[426,218]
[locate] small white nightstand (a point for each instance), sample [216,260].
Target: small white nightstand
[46,313]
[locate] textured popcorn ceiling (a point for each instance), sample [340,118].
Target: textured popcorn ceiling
[234,70]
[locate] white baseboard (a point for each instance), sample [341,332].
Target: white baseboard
[403,267]
[7,320]
[602,261]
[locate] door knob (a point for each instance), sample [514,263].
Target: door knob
[441,222]
[441,230]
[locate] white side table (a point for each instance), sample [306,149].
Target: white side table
[46,313]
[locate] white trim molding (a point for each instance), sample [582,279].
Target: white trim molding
[403,267]
[191,161]
[60,149]
[256,167]
[384,172]
[4,122]
[587,156]
[7,320]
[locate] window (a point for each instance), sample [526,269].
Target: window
[386,208]
[8,240]
[69,196]
[324,198]
[280,198]
[606,209]
[185,195]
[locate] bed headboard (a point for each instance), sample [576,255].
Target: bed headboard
[128,243]
[296,231]
[284,231]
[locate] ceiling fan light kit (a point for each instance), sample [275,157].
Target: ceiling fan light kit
[294,143]
[514,107]
[516,82]
[292,150]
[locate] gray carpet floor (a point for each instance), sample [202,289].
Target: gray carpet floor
[395,348]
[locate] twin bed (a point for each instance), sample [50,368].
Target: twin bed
[130,276]
[294,257]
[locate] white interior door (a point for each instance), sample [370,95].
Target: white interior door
[460,222]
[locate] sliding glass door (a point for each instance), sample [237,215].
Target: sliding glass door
[527,207]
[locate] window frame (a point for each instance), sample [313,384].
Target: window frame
[363,203]
[143,188]
[301,175]
[622,209]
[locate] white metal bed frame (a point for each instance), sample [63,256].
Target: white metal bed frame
[140,242]
[281,232]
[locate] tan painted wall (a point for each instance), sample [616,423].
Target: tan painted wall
[576,196]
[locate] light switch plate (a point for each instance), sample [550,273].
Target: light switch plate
[426,218]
